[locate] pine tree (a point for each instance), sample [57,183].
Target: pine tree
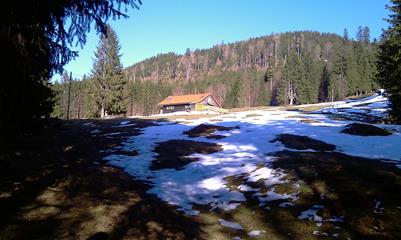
[324,85]
[90,106]
[351,69]
[235,97]
[390,59]
[312,74]
[345,34]
[109,83]
[338,88]
[365,62]
[292,87]
[59,107]
[35,40]
[366,34]
[264,96]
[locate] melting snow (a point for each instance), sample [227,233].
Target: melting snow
[310,214]
[272,196]
[229,224]
[89,124]
[378,207]
[245,152]
[375,105]
[286,204]
[255,233]
[95,131]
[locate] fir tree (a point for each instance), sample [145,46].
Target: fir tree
[265,83]
[90,106]
[351,73]
[312,74]
[345,34]
[35,38]
[338,88]
[390,59]
[236,96]
[292,87]
[109,83]
[324,85]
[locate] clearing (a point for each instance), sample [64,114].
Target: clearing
[326,171]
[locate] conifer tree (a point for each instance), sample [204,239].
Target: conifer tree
[35,40]
[109,83]
[352,74]
[338,88]
[345,34]
[265,83]
[292,86]
[235,98]
[390,59]
[90,106]
[311,83]
[324,85]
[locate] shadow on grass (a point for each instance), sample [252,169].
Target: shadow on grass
[366,192]
[52,187]
[358,198]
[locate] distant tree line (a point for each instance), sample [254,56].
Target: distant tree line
[279,69]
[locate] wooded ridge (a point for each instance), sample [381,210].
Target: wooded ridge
[278,69]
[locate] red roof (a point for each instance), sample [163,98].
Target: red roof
[183,99]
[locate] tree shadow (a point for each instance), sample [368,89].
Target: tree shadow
[64,191]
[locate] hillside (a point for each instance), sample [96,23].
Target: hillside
[279,69]
[249,73]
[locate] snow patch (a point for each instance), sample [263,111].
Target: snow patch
[255,233]
[378,207]
[229,224]
[310,214]
[95,131]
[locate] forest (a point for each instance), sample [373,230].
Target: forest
[279,69]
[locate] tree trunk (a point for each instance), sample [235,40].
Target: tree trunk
[291,94]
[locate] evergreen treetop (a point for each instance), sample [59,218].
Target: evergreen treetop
[389,63]
[109,84]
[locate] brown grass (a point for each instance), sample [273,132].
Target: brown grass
[309,121]
[174,153]
[349,186]
[303,142]
[206,130]
[365,130]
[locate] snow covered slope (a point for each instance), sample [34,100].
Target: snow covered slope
[372,108]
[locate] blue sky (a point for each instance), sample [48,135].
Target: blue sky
[162,26]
